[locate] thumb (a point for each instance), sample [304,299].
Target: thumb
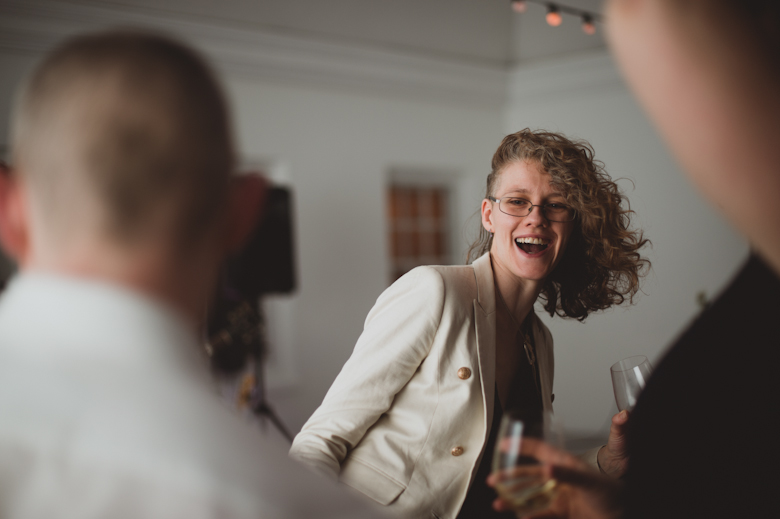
[621,418]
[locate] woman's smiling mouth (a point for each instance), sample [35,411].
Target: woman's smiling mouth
[532,245]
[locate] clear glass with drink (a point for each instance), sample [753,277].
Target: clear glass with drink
[521,481]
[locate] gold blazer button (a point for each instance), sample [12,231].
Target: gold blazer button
[464,373]
[457,451]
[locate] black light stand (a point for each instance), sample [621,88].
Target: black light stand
[264,266]
[260,405]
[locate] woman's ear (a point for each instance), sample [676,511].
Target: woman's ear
[487,215]
[14,222]
[246,203]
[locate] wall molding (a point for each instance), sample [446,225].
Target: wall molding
[592,71]
[35,26]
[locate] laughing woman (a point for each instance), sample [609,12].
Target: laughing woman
[411,419]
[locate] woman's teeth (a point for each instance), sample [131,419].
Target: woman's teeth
[534,241]
[532,245]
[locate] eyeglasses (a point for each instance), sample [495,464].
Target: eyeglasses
[520,207]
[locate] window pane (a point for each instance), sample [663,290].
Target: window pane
[417,227]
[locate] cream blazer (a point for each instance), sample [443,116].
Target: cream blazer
[406,420]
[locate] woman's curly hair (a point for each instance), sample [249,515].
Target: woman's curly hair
[601,266]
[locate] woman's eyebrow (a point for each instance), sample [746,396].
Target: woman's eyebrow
[522,191]
[518,191]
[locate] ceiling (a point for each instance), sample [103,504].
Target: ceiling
[457,51]
[533,39]
[477,31]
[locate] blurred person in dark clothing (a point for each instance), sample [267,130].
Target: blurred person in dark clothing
[702,441]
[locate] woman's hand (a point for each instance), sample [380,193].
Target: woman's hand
[613,457]
[581,492]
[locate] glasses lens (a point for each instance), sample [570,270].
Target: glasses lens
[521,207]
[515,206]
[558,212]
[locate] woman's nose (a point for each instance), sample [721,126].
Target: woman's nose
[536,216]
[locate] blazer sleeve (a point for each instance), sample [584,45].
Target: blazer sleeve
[396,338]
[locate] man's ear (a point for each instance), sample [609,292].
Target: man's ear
[14,223]
[246,203]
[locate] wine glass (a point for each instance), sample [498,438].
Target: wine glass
[629,377]
[520,480]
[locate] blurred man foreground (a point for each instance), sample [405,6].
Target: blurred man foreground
[118,209]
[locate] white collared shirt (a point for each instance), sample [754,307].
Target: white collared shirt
[107,410]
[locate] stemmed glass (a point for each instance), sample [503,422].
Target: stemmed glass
[520,481]
[629,377]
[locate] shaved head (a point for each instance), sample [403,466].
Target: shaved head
[126,135]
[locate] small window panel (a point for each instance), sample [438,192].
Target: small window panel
[419,227]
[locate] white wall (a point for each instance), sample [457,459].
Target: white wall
[693,249]
[338,150]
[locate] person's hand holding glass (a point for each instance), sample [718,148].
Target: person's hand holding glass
[628,379]
[520,480]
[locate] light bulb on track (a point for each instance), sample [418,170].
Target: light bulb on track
[519,6]
[588,27]
[553,16]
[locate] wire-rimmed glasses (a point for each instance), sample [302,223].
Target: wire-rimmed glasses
[520,207]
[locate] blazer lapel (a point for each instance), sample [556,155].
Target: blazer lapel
[485,322]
